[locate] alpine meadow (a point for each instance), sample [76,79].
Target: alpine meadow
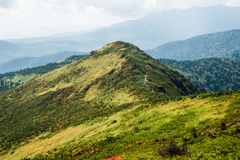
[117,101]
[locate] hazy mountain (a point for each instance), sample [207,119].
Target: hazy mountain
[221,44]
[30,62]
[147,32]
[8,50]
[235,54]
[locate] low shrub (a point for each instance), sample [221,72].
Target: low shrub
[171,150]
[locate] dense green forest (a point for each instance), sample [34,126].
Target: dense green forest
[213,74]
[13,79]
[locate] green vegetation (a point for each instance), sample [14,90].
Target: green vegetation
[221,45]
[13,79]
[213,74]
[99,85]
[117,102]
[144,128]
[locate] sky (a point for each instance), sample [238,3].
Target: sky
[31,18]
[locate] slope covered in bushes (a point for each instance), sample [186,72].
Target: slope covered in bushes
[100,84]
[190,127]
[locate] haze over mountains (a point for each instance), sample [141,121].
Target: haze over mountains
[221,44]
[8,50]
[147,32]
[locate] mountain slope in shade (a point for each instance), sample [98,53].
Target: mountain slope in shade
[221,44]
[102,83]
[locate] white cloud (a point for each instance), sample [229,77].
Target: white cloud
[23,14]
[93,10]
[233,3]
[150,5]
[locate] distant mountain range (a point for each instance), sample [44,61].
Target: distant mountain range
[30,62]
[147,32]
[221,44]
[8,50]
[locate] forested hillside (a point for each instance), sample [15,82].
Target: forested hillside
[213,74]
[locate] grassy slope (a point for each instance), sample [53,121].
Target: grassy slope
[105,82]
[132,136]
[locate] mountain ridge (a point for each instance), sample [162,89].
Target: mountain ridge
[104,82]
[118,49]
[8,50]
[100,108]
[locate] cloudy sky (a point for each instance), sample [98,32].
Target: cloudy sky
[20,18]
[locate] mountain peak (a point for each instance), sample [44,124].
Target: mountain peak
[127,63]
[104,82]
[117,47]
[120,70]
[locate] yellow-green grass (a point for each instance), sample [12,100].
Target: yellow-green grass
[86,132]
[93,69]
[152,122]
[105,82]
[21,78]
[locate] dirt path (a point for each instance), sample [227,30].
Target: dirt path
[145,80]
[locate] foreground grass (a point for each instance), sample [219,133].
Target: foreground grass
[194,122]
